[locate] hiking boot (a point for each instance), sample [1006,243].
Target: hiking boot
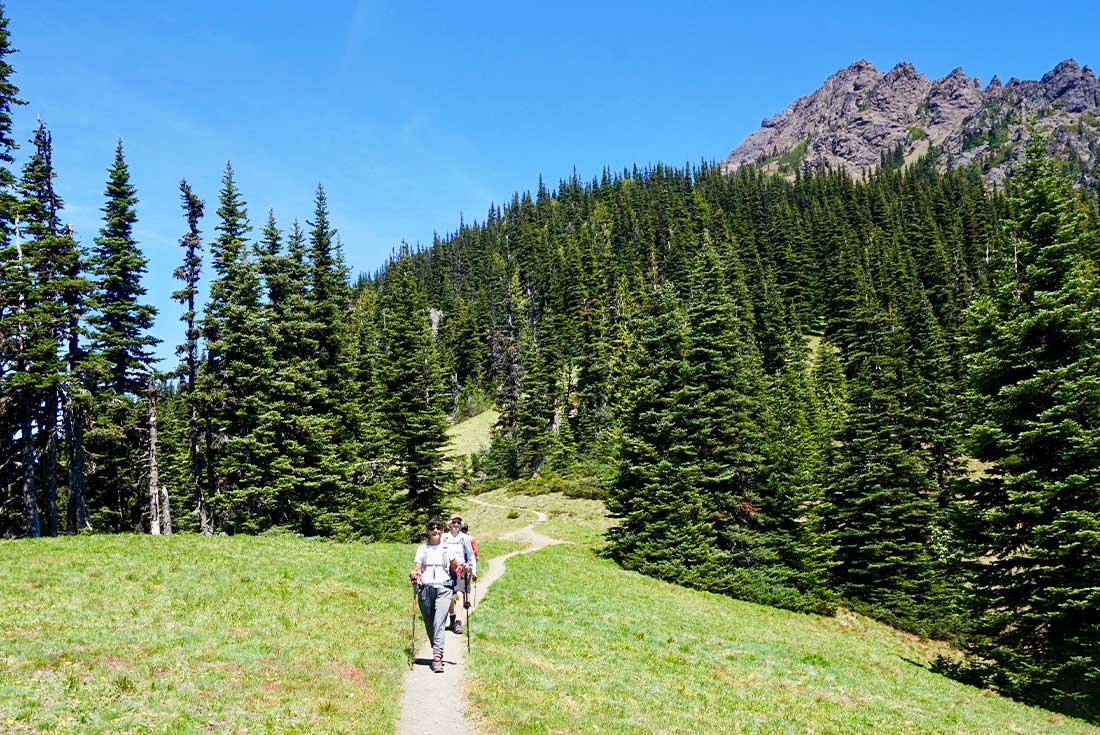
[437,665]
[457,627]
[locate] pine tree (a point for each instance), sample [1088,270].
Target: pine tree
[412,393]
[121,324]
[16,408]
[188,352]
[123,357]
[1034,517]
[666,526]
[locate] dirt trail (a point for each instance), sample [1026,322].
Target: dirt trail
[437,702]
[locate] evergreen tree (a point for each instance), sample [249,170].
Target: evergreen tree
[123,358]
[413,398]
[16,406]
[666,526]
[188,352]
[1034,516]
[121,323]
[235,375]
[54,306]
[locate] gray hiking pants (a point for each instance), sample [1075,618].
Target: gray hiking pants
[433,602]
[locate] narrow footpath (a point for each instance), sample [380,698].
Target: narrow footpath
[437,702]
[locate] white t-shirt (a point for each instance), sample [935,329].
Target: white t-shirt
[435,563]
[462,548]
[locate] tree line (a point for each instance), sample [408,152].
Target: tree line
[879,392]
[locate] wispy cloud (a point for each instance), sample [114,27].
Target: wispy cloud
[355,40]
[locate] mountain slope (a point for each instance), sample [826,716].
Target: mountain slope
[860,115]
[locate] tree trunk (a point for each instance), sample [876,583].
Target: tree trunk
[30,502]
[49,429]
[154,468]
[77,513]
[197,475]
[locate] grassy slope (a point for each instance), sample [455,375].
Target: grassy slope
[289,635]
[471,435]
[570,643]
[186,634]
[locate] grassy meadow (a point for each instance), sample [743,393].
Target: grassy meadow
[182,634]
[569,643]
[281,634]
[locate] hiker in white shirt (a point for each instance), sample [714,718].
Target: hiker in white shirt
[435,569]
[463,549]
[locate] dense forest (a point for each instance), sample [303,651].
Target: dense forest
[882,393]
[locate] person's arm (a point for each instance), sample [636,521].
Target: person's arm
[471,557]
[418,566]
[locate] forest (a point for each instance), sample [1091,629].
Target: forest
[881,393]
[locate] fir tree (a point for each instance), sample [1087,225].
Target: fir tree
[121,323]
[1034,517]
[666,526]
[123,357]
[189,272]
[235,375]
[412,394]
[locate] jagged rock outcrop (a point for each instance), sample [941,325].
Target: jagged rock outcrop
[861,118]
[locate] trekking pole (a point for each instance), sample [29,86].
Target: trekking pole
[466,604]
[412,633]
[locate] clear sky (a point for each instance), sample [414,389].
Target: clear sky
[410,113]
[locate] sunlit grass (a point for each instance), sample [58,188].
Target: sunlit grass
[570,643]
[471,435]
[188,634]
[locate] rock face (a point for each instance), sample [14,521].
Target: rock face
[860,118]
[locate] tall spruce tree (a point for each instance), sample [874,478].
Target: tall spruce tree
[235,375]
[1034,516]
[666,525]
[54,307]
[121,323]
[123,358]
[413,397]
[188,370]
[15,411]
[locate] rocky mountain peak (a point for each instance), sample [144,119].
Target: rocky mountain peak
[860,117]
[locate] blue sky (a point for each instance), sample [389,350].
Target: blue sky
[412,113]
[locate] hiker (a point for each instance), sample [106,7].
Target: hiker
[463,550]
[473,541]
[435,569]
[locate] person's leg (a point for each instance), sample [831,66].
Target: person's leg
[425,600]
[456,625]
[442,600]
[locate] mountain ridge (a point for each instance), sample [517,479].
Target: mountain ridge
[860,118]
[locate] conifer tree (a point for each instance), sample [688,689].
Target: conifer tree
[123,358]
[54,306]
[666,526]
[16,403]
[1034,517]
[722,398]
[236,373]
[189,272]
[121,323]
[413,398]
[883,502]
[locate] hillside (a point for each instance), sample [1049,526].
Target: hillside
[277,634]
[859,115]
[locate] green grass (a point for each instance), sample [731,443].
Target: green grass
[268,634]
[280,634]
[471,435]
[570,643]
[575,520]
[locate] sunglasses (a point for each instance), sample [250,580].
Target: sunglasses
[435,527]
[456,523]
